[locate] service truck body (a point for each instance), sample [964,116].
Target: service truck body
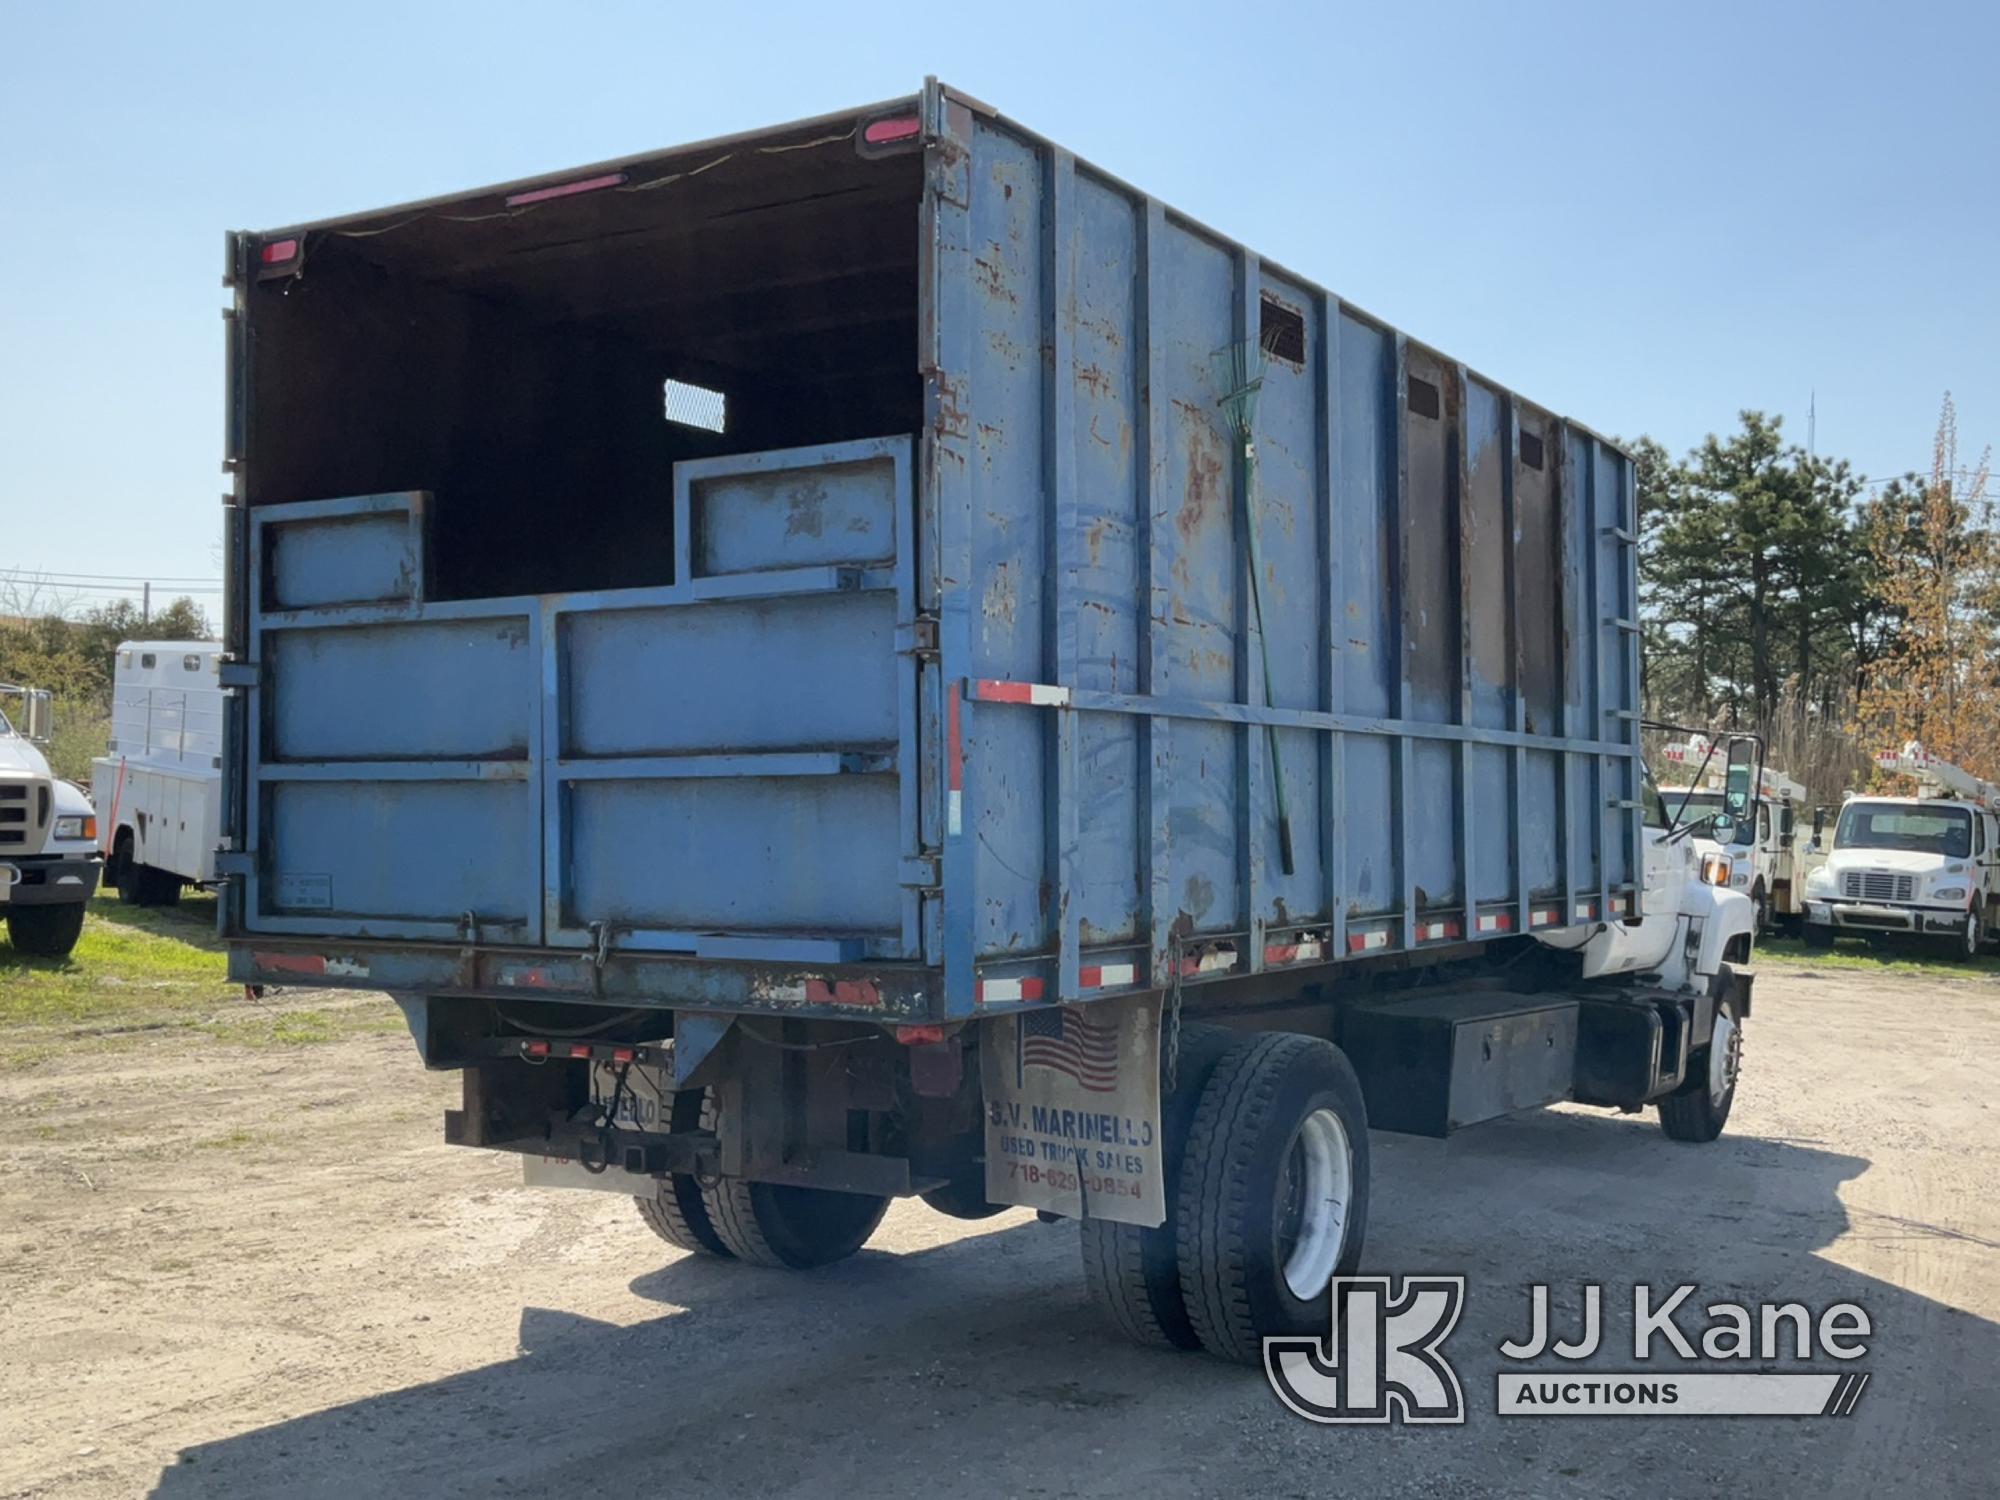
[791,629]
[1763,850]
[158,787]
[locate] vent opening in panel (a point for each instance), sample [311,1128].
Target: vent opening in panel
[1531,449]
[695,406]
[1424,398]
[1282,331]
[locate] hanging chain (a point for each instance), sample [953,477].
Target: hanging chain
[1173,1037]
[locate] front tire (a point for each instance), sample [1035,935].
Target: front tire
[1971,938]
[1273,1194]
[1697,1111]
[1818,936]
[45,931]
[1760,912]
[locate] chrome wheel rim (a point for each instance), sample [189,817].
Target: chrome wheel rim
[1315,1194]
[1725,1055]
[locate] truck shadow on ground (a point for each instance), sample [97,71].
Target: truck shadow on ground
[977,1365]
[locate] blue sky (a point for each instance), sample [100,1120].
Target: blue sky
[1648,217]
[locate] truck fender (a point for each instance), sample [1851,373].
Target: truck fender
[1723,916]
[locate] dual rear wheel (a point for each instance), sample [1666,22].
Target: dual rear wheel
[1267,1199]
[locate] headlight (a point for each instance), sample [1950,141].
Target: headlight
[1949,893]
[1820,881]
[1715,869]
[76,828]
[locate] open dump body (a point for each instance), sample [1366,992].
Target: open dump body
[813,570]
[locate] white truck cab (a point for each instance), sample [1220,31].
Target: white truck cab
[1693,925]
[48,835]
[159,786]
[1922,865]
[1762,849]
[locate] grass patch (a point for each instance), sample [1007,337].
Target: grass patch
[1858,956]
[131,963]
[138,971]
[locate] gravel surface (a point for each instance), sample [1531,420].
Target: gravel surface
[239,1273]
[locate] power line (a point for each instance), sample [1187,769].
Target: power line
[31,574]
[58,586]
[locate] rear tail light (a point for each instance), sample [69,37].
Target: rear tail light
[280,257]
[889,132]
[565,189]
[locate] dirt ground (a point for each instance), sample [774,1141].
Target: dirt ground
[238,1273]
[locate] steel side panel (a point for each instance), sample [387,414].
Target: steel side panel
[1422,575]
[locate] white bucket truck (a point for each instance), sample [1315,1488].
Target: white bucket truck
[159,787]
[48,838]
[1762,849]
[1922,865]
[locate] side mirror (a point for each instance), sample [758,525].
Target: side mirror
[40,716]
[1741,785]
[1819,823]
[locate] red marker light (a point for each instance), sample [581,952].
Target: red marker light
[537,1049]
[579,1049]
[622,1054]
[565,190]
[888,132]
[918,1036]
[277,252]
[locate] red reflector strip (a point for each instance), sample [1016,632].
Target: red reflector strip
[1431,932]
[291,963]
[517,978]
[1210,963]
[919,1036]
[277,252]
[843,992]
[1544,916]
[1367,942]
[1280,954]
[1585,910]
[884,132]
[565,190]
[1619,904]
[993,690]
[1004,991]
[1107,976]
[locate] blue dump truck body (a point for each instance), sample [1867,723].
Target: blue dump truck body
[936,679]
[871,658]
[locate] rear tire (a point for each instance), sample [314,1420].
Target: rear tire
[1818,936]
[1134,1273]
[675,1212]
[1274,1193]
[1698,1110]
[768,1224]
[964,1197]
[45,931]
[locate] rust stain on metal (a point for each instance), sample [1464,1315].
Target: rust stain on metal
[1003,595]
[805,513]
[1204,501]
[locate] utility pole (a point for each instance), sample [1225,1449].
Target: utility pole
[1812,424]
[145,603]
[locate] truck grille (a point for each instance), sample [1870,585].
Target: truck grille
[1877,885]
[15,822]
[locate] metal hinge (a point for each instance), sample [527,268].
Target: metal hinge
[918,638]
[238,674]
[235,864]
[923,873]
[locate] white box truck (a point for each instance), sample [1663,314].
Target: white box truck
[158,788]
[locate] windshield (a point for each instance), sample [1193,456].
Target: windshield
[1899,825]
[1700,807]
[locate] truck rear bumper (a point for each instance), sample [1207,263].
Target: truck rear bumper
[53,880]
[879,992]
[1861,917]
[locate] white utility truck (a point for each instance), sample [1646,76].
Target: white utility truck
[1922,864]
[159,786]
[48,836]
[1762,850]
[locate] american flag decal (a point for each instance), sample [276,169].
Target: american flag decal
[1066,1041]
